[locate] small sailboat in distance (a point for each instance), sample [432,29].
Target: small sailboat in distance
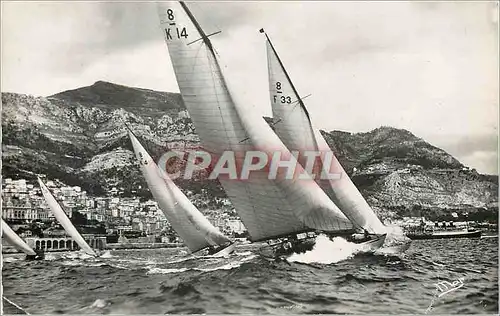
[192,226]
[270,208]
[293,125]
[16,241]
[63,219]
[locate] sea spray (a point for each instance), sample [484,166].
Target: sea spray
[396,242]
[107,255]
[165,271]
[99,303]
[395,236]
[326,251]
[10,259]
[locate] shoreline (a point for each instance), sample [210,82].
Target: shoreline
[156,245]
[112,246]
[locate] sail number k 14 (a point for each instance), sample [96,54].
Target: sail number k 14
[177,32]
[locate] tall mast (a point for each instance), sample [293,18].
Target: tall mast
[267,207]
[298,133]
[198,27]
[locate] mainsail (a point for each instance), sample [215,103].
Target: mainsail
[63,219]
[268,208]
[16,241]
[293,125]
[194,228]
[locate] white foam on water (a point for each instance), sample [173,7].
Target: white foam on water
[51,257]
[106,255]
[181,260]
[119,266]
[99,303]
[391,250]
[165,271]
[193,257]
[10,259]
[326,251]
[395,236]
[72,263]
[227,266]
[82,255]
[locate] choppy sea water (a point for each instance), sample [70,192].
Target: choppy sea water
[331,279]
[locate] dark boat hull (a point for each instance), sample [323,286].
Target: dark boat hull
[39,255]
[445,236]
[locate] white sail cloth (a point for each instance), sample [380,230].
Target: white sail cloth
[191,225]
[63,219]
[16,241]
[293,125]
[268,208]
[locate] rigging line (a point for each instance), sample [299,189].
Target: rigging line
[218,102]
[246,188]
[210,47]
[211,21]
[15,305]
[302,106]
[284,70]
[201,38]
[297,102]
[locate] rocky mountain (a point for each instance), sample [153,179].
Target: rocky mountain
[403,174]
[79,137]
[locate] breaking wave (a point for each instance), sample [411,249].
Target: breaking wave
[165,271]
[326,251]
[10,259]
[395,236]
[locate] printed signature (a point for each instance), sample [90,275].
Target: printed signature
[446,287]
[443,288]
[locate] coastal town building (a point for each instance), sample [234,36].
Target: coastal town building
[23,203]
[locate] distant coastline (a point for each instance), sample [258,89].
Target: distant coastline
[111,246]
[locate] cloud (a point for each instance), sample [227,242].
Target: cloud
[478,151]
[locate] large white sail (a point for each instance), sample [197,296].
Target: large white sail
[191,225]
[293,125]
[16,241]
[63,219]
[268,208]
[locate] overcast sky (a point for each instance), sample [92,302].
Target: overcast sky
[429,67]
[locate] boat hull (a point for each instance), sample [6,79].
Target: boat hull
[37,256]
[372,245]
[220,252]
[395,249]
[225,251]
[472,234]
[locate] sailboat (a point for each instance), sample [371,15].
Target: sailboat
[293,125]
[269,208]
[65,222]
[16,241]
[192,226]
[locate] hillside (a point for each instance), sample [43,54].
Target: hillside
[79,137]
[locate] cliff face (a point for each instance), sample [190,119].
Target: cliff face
[399,172]
[79,137]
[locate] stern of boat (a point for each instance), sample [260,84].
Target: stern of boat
[224,252]
[373,244]
[39,255]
